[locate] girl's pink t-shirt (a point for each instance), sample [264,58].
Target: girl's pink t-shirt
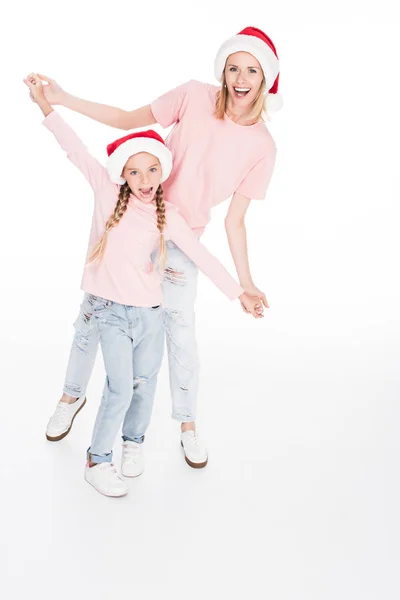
[212,158]
[125,274]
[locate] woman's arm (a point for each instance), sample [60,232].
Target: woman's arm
[236,232]
[185,239]
[109,115]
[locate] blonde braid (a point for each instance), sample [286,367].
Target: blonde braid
[161,222]
[119,211]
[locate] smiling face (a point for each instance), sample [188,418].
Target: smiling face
[143,174]
[244,77]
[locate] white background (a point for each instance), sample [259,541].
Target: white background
[299,411]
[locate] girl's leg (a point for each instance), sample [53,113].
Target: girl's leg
[147,358]
[115,323]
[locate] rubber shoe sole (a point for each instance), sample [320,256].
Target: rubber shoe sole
[131,476]
[193,464]
[107,495]
[57,438]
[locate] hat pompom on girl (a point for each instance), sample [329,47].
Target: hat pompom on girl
[122,149]
[255,42]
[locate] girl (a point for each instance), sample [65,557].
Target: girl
[221,148]
[123,290]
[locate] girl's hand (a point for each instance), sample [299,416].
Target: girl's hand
[37,94]
[35,87]
[252,290]
[252,305]
[52,91]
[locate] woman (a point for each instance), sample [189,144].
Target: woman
[221,148]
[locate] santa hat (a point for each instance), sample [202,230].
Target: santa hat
[144,141]
[255,42]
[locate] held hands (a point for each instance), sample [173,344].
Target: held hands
[253,301]
[52,92]
[252,305]
[35,87]
[252,290]
[37,93]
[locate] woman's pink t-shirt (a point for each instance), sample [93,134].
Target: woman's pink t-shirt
[212,158]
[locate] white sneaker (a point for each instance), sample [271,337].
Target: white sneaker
[132,461]
[106,480]
[195,452]
[62,419]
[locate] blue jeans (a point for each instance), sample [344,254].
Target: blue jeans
[132,343]
[179,290]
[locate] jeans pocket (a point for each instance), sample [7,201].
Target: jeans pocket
[99,304]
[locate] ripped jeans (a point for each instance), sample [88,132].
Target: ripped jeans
[132,343]
[179,290]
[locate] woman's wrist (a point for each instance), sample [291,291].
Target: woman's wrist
[246,283]
[64,99]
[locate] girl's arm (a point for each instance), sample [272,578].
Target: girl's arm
[185,239]
[94,172]
[109,115]
[236,232]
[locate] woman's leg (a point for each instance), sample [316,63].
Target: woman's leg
[179,289]
[80,366]
[83,351]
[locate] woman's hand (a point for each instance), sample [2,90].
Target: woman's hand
[52,91]
[37,94]
[252,290]
[252,305]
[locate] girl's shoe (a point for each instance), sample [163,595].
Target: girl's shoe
[195,452]
[106,480]
[62,419]
[132,461]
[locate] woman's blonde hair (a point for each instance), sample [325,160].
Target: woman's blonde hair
[119,211]
[257,110]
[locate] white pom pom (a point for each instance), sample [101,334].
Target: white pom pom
[274,103]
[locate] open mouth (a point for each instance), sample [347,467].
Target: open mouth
[241,92]
[146,193]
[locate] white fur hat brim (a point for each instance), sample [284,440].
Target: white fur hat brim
[253,45]
[118,159]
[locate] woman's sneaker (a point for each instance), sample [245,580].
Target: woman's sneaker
[132,461]
[62,419]
[195,452]
[106,480]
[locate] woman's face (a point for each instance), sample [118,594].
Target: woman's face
[143,174]
[243,76]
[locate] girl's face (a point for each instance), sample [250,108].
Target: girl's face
[143,175]
[243,76]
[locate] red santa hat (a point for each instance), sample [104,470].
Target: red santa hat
[122,149]
[255,42]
